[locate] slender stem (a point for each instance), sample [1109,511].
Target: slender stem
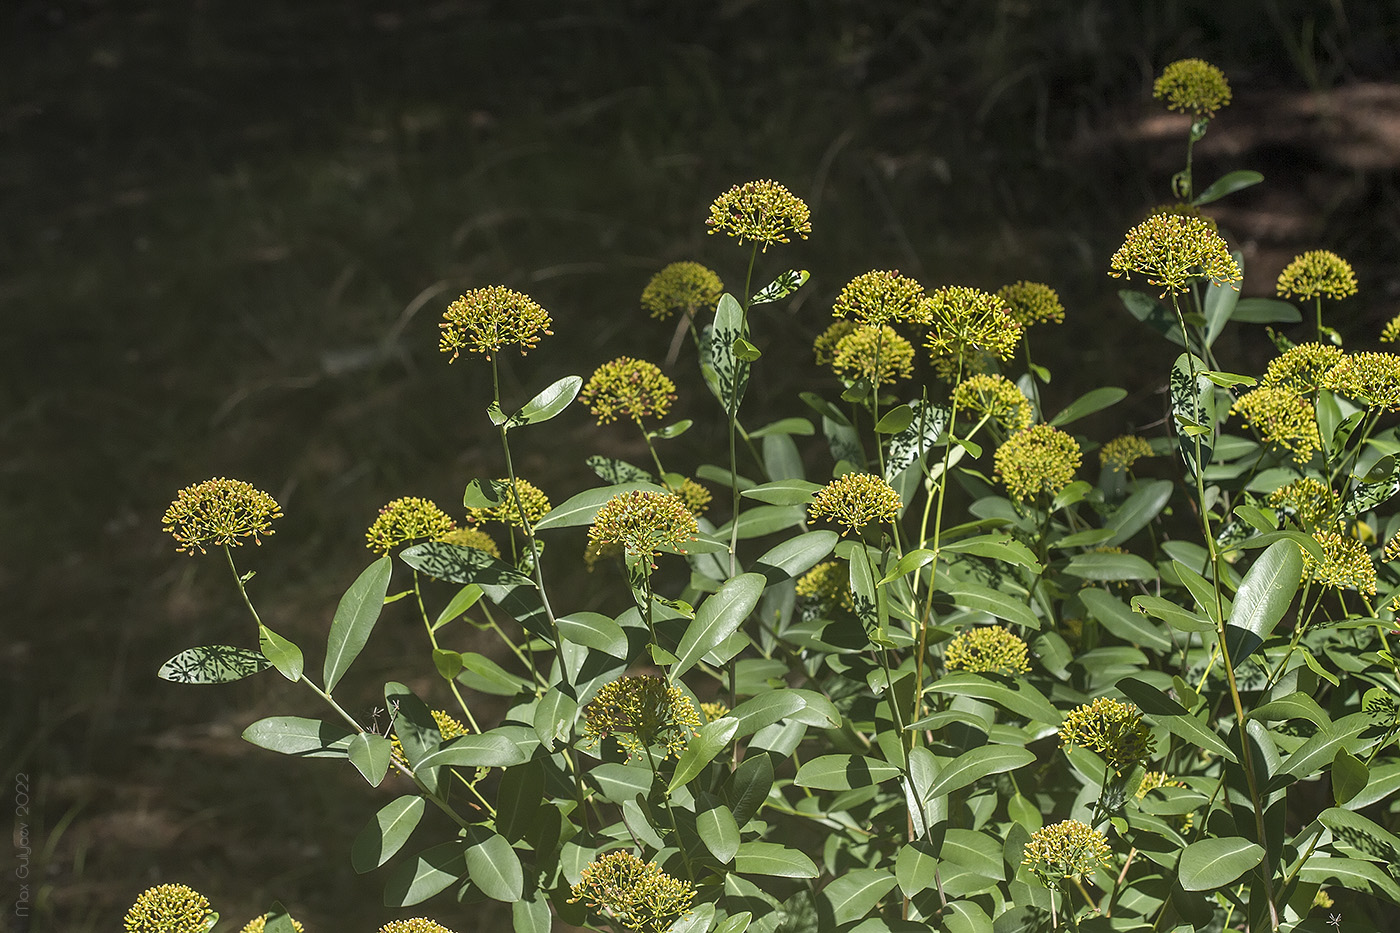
[432,638]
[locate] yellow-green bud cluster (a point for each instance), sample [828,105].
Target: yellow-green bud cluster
[824,347]
[415,925]
[641,712]
[259,924]
[855,500]
[696,497]
[626,387]
[405,520]
[1391,332]
[1152,780]
[1193,86]
[1040,459]
[990,649]
[472,538]
[1115,730]
[486,319]
[879,297]
[1062,850]
[878,354]
[1119,454]
[219,512]
[1281,417]
[169,908]
[996,397]
[681,288]
[1372,380]
[637,894]
[1171,250]
[1182,209]
[644,522]
[447,726]
[532,500]
[1300,369]
[761,211]
[828,583]
[714,710]
[1391,551]
[1309,500]
[1315,274]
[965,323]
[1032,303]
[1346,563]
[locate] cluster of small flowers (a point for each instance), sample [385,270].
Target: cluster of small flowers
[994,396]
[1119,454]
[1067,849]
[1309,501]
[637,894]
[763,212]
[487,319]
[1346,564]
[1173,249]
[219,512]
[856,500]
[644,522]
[533,506]
[1281,417]
[684,288]
[628,388]
[1113,729]
[990,649]
[405,520]
[1194,86]
[1040,459]
[829,584]
[640,712]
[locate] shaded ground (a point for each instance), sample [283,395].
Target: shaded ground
[230,231]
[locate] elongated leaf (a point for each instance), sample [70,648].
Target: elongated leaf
[581,509]
[770,858]
[213,664]
[1110,566]
[1213,863]
[1114,615]
[698,920]
[354,619]
[495,869]
[1229,183]
[1263,597]
[519,799]
[796,555]
[1017,697]
[385,834]
[725,374]
[702,749]
[1349,776]
[550,402]
[1221,298]
[284,655]
[915,868]
[782,460]
[1145,504]
[593,630]
[736,923]
[855,893]
[895,420]
[1193,410]
[763,520]
[926,423]
[554,717]
[1354,874]
[843,772]
[749,786]
[1169,612]
[1000,547]
[719,832]
[466,597]
[718,617]
[766,709]
[1361,834]
[1088,403]
[780,288]
[531,916]
[481,673]
[503,584]
[1153,313]
[487,750]
[969,595]
[370,753]
[799,426]
[783,492]
[296,735]
[976,764]
[613,471]
[431,871]
[1265,311]
[1173,716]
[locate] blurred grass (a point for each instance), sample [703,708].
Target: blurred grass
[230,231]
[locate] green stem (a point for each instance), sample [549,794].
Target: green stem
[432,638]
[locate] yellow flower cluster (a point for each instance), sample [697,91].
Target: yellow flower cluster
[880,297]
[1115,730]
[1347,564]
[1317,273]
[1309,500]
[218,512]
[713,711]
[1183,209]
[1391,551]
[626,387]
[696,497]
[644,522]
[878,354]
[964,323]
[415,925]
[449,728]
[1369,379]
[1300,369]
[856,500]
[996,397]
[989,649]
[824,347]
[473,538]
[1067,849]
[1032,303]
[533,501]
[169,908]
[681,288]
[637,894]
[486,319]
[1152,780]
[1039,459]
[405,520]
[828,583]
[259,924]
[640,712]
[1194,86]
[1171,250]
[1391,332]
[1283,418]
[762,211]
[1122,452]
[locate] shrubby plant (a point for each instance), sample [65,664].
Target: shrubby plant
[997,694]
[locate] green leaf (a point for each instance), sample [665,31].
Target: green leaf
[783,492]
[1213,863]
[748,786]
[613,471]
[800,426]
[765,709]
[581,509]
[1018,696]
[1088,403]
[531,916]
[718,617]
[911,561]
[843,772]
[719,831]
[213,664]
[495,869]
[296,735]
[895,420]
[354,619]
[503,584]
[385,834]
[697,920]
[481,673]
[1265,311]
[726,375]
[370,754]
[1169,612]
[276,920]
[447,662]
[550,402]
[745,351]
[976,764]
[1000,547]
[780,288]
[915,868]
[1173,716]
[1349,776]
[969,595]
[1233,181]
[477,496]
[430,872]
[909,445]
[1145,504]
[855,893]
[1193,407]
[487,750]
[554,717]
[796,555]
[1354,874]
[1151,312]
[1114,615]
[594,630]
[1263,597]
[1221,298]
[1110,566]
[702,749]
[770,858]
[466,597]
[284,655]
[736,923]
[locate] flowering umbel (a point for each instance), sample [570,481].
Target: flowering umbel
[681,288]
[1115,730]
[855,500]
[964,323]
[1193,86]
[878,354]
[1032,303]
[1281,418]
[829,584]
[1119,454]
[472,538]
[990,649]
[1317,273]
[1039,459]
[1372,380]
[880,297]
[996,397]
[485,320]
[762,211]
[637,894]
[534,502]
[170,908]
[824,347]
[219,512]
[1300,369]
[1171,250]
[405,520]
[644,522]
[1347,565]
[628,388]
[641,712]
[1067,849]
[415,925]
[259,924]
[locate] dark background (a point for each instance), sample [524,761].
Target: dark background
[229,231]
